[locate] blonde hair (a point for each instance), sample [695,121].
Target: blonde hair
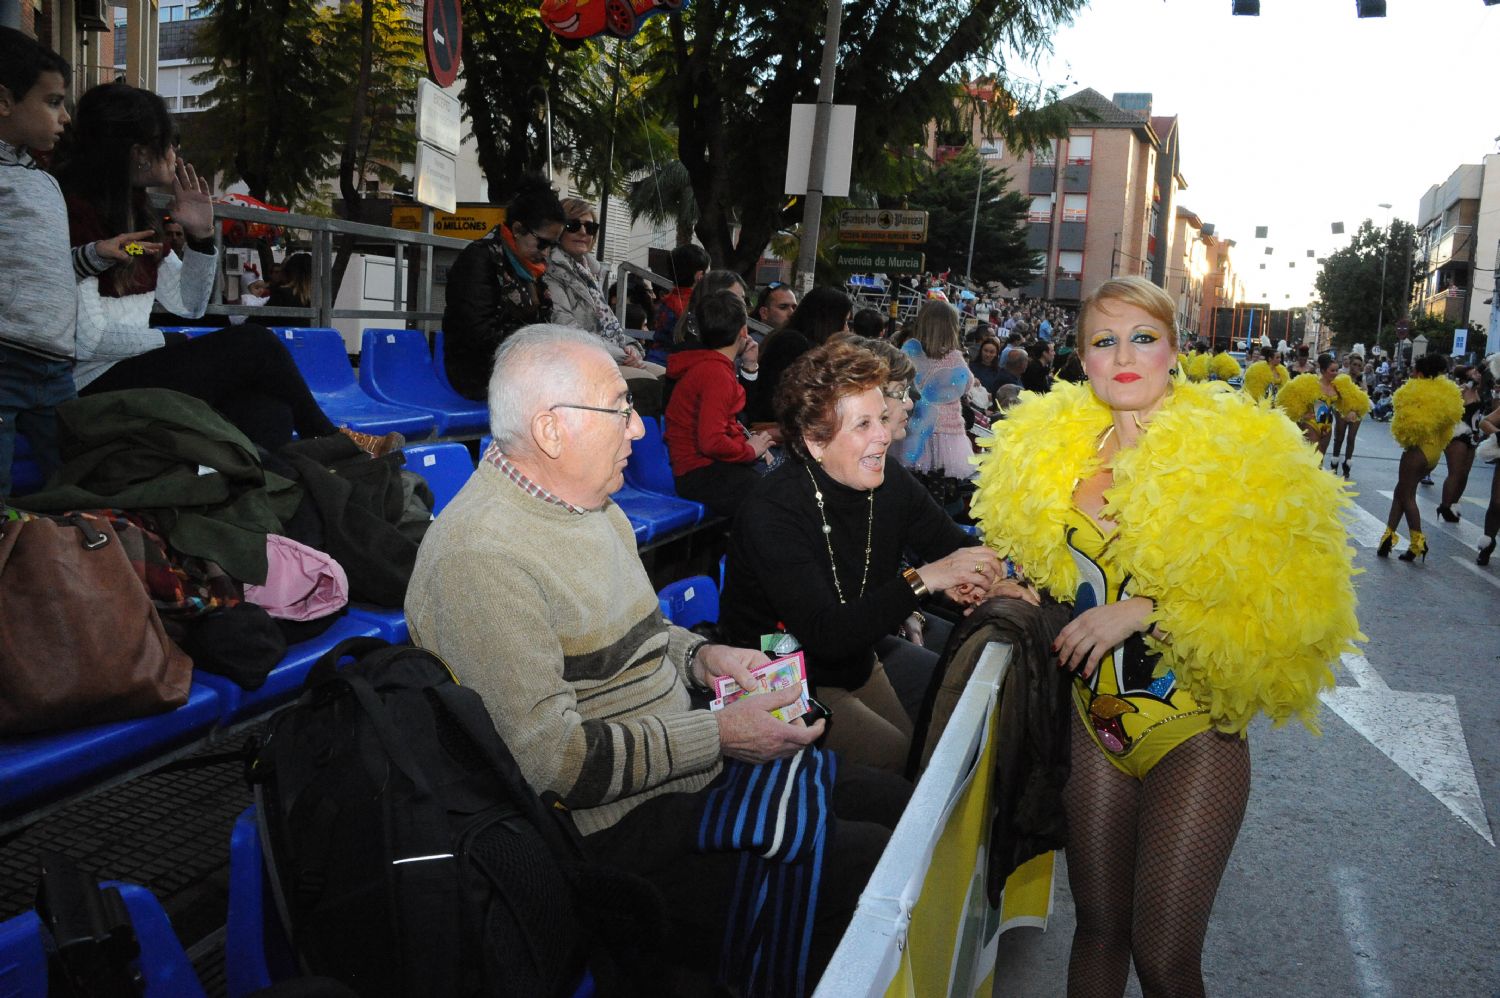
[576,208]
[936,329]
[1135,291]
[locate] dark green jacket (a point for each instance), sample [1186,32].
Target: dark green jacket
[174,458]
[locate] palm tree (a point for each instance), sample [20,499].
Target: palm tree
[664,196]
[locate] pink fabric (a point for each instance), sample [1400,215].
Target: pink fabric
[302,583]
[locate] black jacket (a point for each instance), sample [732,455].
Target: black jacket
[1032,751]
[487,301]
[779,570]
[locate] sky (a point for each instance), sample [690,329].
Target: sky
[1301,117]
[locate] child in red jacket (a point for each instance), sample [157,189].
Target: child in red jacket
[713,457]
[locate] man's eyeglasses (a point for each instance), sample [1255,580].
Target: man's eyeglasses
[592,228]
[624,413]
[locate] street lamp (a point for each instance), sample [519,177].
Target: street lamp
[974,226]
[1385,252]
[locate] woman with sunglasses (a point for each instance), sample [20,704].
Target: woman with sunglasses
[496,286]
[578,300]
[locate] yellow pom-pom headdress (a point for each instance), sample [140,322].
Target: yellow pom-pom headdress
[1427,410]
[1196,367]
[1223,517]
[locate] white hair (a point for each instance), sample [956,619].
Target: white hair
[535,368]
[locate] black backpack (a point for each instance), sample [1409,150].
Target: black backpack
[407,854]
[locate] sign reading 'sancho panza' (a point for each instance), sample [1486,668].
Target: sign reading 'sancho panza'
[883,225]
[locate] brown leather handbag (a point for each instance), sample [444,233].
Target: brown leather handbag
[80,642]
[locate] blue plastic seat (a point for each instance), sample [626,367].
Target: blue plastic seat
[690,601]
[649,466]
[25,477]
[163,964]
[191,331]
[659,514]
[446,467]
[41,768]
[395,366]
[285,681]
[320,357]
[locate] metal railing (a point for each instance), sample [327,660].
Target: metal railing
[324,232]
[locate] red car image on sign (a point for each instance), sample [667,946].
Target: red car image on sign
[577,20]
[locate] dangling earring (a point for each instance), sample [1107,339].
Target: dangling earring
[1173,371]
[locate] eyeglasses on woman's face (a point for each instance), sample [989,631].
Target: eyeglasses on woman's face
[543,244]
[898,392]
[591,228]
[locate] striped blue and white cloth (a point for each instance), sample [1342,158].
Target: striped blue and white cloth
[779,817]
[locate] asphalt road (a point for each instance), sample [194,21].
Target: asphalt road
[1366,865]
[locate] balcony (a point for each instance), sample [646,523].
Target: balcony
[1042,179]
[1454,246]
[1076,178]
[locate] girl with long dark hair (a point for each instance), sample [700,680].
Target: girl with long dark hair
[122,143]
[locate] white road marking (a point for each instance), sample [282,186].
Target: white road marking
[1469,564]
[1359,929]
[1478,503]
[1363,528]
[1420,732]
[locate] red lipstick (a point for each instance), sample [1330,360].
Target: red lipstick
[1126,377]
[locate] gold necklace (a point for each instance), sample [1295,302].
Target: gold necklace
[828,539]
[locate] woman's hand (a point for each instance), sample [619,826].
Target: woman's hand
[1090,636]
[191,206]
[976,568]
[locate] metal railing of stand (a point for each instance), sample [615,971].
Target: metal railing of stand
[324,232]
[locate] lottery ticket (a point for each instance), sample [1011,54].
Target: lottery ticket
[777,675]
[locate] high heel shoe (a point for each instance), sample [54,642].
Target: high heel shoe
[1417,547]
[1485,552]
[1346,469]
[1446,512]
[1387,541]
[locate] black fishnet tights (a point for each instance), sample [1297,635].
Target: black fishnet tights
[1144,861]
[1412,469]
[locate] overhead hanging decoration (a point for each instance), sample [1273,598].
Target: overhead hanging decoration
[580,20]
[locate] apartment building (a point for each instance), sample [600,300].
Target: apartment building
[1458,229]
[1102,199]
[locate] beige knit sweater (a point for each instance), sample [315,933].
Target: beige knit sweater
[548,614]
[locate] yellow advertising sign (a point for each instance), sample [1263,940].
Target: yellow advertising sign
[471,221]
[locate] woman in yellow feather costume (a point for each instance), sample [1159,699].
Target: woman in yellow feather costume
[1186,525]
[1353,405]
[1311,401]
[1223,367]
[1265,377]
[1427,408]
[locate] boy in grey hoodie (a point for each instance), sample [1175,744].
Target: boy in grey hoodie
[38,269]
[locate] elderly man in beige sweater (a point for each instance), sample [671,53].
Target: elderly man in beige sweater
[530,587]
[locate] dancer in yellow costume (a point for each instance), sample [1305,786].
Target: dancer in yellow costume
[1265,377]
[1428,407]
[1135,498]
[1312,401]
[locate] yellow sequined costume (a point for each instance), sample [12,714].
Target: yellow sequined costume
[1133,715]
[1427,410]
[1223,518]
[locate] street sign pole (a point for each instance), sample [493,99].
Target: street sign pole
[812,207]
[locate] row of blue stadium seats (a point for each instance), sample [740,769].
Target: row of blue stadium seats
[47,768]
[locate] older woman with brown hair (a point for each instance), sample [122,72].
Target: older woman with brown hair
[816,550]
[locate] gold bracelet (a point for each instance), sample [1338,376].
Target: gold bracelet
[914,580]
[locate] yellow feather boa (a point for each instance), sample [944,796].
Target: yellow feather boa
[1427,409]
[1297,397]
[1224,518]
[1352,399]
[1195,366]
[1260,376]
[1224,367]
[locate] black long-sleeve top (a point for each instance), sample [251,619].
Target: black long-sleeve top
[779,571]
